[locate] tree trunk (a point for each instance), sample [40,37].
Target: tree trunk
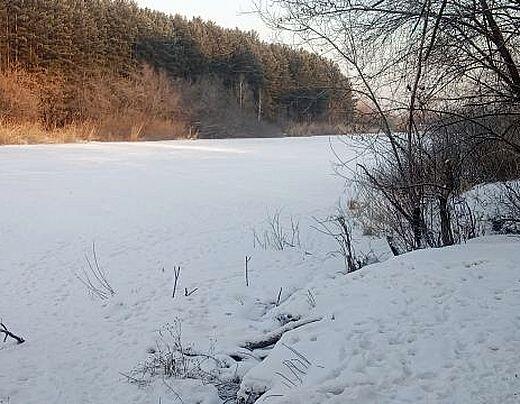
[417,227]
[259,116]
[444,214]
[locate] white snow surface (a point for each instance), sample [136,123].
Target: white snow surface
[437,326]
[430,326]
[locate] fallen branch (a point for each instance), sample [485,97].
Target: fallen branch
[273,337]
[239,355]
[7,333]
[188,293]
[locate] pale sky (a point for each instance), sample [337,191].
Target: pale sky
[226,13]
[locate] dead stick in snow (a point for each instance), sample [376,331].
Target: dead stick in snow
[273,337]
[278,298]
[188,293]
[247,269]
[7,333]
[176,273]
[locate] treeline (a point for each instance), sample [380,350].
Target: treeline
[132,71]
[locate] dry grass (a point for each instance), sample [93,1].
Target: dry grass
[47,108]
[316,129]
[34,133]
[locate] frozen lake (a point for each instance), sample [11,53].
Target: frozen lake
[146,206]
[438,325]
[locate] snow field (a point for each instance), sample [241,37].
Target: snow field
[431,326]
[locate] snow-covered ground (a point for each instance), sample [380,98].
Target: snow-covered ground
[437,326]
[432,326]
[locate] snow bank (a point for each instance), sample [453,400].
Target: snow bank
[430,326]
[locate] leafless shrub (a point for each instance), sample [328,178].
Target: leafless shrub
[378,218]
[467,222]
[316,129]
[444,221]
[340,228]
[45,108]
[279,234]
[172,358]
[94,277]
[506,218]
[19,96]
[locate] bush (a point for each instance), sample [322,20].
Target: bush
[172,357]
[38,108]
[19,97]
[316,129]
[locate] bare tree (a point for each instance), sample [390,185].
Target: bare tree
[441,77]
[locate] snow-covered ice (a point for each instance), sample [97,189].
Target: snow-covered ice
[431,326]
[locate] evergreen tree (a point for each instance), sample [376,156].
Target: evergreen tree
[82,38]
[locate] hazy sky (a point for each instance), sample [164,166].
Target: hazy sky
[227,13]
